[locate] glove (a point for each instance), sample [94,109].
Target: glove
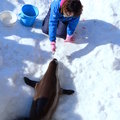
[69,38]
[53,46]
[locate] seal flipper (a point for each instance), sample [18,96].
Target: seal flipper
[67,92]
[30,82]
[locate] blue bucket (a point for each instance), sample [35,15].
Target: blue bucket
[28,15]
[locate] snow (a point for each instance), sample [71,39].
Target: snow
[91,66]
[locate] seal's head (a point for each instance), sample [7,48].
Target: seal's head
[54,61]
[53,65]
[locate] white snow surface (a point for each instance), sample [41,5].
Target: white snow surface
[90,66]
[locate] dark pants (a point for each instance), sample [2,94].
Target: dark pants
[61,27]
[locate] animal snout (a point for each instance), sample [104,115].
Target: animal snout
[55,60]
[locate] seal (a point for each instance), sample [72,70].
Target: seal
[47,93]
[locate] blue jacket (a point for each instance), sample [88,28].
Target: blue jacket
[56,16]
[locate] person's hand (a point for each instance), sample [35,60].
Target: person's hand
[70,38]
[53,46]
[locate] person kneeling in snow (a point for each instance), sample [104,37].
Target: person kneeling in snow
[61,20]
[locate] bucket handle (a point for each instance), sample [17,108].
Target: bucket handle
[19,16]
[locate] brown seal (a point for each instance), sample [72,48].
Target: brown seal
[47,93]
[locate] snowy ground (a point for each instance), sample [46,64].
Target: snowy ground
[91,66]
